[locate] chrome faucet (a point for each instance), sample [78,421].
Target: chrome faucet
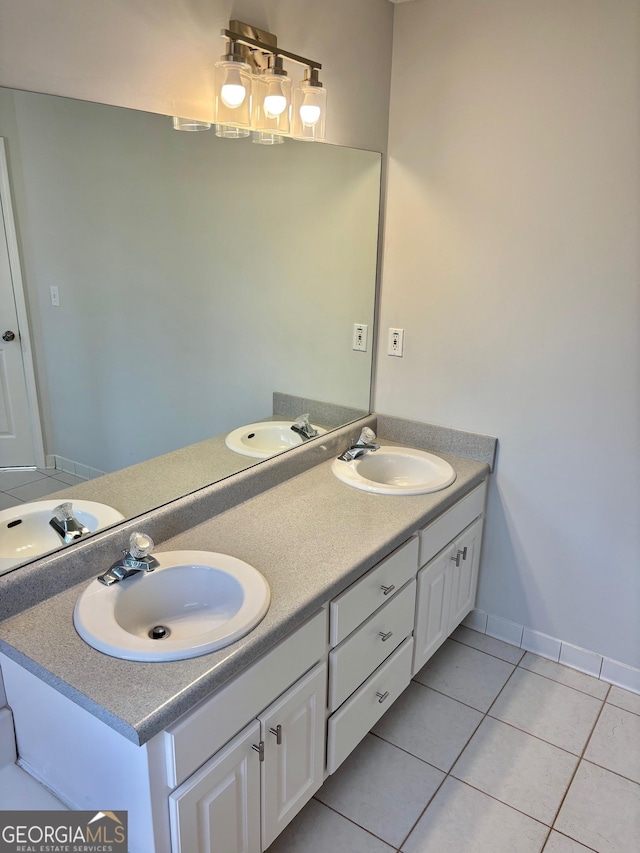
[365,444]
[66,524]
[304,429]
[137,559]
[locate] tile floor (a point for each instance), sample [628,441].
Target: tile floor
[17,487]
[489,750]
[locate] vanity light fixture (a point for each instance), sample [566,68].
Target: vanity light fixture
[190,124]
[253,91]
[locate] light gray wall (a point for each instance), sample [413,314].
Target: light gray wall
[511,261]
[158,55]
[196,275]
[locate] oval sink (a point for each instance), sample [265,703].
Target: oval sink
[264,439]
[25,532]
[193,603]
[396,471]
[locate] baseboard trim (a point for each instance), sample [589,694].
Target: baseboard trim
[85,472]
[606,669]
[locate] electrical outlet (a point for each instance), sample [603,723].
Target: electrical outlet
[360,334]
[396,342]
[55,296]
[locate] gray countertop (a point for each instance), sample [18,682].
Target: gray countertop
[310,536]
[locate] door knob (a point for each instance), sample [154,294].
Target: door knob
[8,336]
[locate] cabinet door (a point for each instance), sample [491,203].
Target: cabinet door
[433,607]
[293,731]
[217,810]
[465,575]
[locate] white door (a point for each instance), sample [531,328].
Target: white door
[20,436]
[433,607]
[217,810]
[465,573]
[293,733]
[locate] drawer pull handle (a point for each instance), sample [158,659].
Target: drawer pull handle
[464,553]
[456,559]
[278,733]
[382,696]
[386,636]
[259,748]
[387,589]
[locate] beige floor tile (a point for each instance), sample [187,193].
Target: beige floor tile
[8,501]
[624,699]
[602,811]
[615,743]
[382,789]
[318,829]
[485,643]
[14,479]
[565,675]
[517,769]
[429,725]
[41,488]
[561,844]
[465,674]
[547,709]
[461,819]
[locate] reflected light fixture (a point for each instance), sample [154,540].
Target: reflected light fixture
[253,92]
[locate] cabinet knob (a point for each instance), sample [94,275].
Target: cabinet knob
[386,636]
[259,748]
[278,733]
[382,696]
[387,589]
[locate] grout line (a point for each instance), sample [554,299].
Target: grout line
[364,829]
[564,835]
[412,754]
[609,770]
[580,759]
[570,686]
[427,687]
[537,737]
[449,772]
[619,707]
[491,655]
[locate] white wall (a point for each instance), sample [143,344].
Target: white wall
[511,260]
[158,55]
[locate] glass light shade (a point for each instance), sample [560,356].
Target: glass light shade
[260,137]
[271,102]
[232,131]
[190,124]
[232,106]
[309,112]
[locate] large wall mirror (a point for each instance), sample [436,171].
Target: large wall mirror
[203,284]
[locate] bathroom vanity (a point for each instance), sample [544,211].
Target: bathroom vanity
[220,752]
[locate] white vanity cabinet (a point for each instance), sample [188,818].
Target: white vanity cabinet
[447,582]
[244,796]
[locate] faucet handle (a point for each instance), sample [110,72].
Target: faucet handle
[367,436]
[63,512]
[302,420]
[140,545]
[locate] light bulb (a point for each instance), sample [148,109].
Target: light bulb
[310,113]
[274,105]
[233,92]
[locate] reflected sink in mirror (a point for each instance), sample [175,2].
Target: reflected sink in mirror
[25,532]
[265,439]
[193,603]
[396,471]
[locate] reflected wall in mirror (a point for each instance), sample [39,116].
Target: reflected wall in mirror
[196,277]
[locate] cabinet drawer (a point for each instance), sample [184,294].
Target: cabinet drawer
[358,715]
[363,597]
[353,661]
[440,532]
[202,731]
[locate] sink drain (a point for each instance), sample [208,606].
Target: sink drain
[159,632]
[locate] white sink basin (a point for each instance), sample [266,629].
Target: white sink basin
[205,601]
[25,532]
[264,439]
[396,471]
